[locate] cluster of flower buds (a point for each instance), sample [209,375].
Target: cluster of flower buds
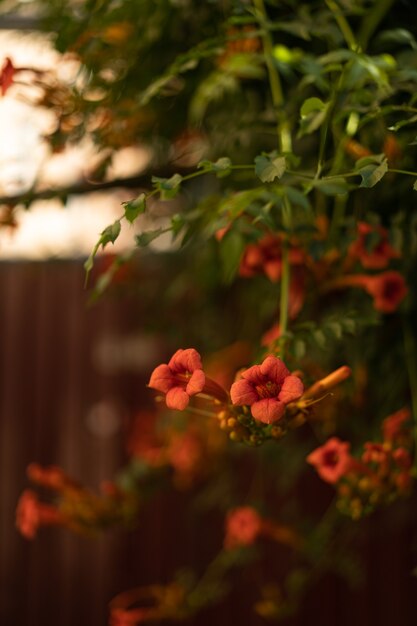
[381,475]
[263,403]
[72,506]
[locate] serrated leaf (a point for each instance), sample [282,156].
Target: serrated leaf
[221,167]
[268,167]
[145,238]
[135,207]
[372,174]
[110,234]
[167,187]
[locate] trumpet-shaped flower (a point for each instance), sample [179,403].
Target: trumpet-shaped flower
[267,389]
[379,255]
[387,289]
[243,526]
[31,514]
[180,379]
[265,257]
[393,425]
[332,460]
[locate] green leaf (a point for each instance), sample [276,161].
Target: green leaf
[135,207]
[231,249]
[334,187]
[297,197]
[244,65]
[399,36]
[88,266]
[372,174]
[369,160]
[238,203]
[177,223]
[268,167]
[167,187]
[313,113]
[335,328]
[145,238]
[415,186]
[110,234]
[221,167]
[312,105]
[299,348]
[320,338]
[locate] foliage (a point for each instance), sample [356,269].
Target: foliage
[289,146]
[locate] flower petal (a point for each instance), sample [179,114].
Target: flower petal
[254,375]
[274,369]
[268,410]
[242,392]
[162,379]
[196,382]
[273,269]
[187,360]
[292,389]
[177,398]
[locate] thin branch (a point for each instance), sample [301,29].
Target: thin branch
[142,181]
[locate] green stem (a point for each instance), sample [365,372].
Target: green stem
[405,172]
[286,272]
[351,174]
[371,21]
[283,130]
[343,25]
[337,217]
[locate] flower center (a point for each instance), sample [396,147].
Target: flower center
[268,390]
[391,289]
[330,458]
